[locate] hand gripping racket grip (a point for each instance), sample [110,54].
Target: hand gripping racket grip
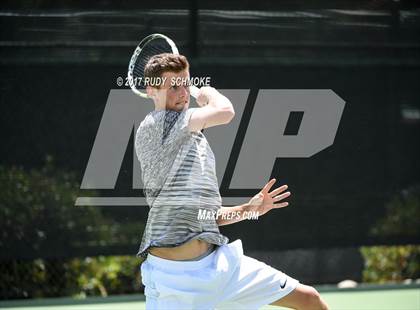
[194,91]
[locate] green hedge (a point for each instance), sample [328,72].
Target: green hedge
[395,263]
[38,216]
[38,219]
[107,275]
[77,277]
[391,263]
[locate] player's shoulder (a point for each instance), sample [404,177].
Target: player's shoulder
[147,125]
[151,119]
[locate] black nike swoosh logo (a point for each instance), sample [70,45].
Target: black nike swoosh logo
[284,284]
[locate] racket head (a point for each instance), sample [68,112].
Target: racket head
[151,45]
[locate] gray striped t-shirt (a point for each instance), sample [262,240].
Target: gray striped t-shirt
[179,176]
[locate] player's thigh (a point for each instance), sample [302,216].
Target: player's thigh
[302,297]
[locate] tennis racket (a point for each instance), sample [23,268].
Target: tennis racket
[151,45]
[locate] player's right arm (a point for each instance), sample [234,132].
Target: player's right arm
[215,110]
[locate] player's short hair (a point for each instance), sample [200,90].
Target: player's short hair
[166,62]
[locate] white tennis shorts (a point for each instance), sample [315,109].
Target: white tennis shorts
[224,279]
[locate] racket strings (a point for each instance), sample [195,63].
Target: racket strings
[151,49]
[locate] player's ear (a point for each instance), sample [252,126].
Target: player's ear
[151,92]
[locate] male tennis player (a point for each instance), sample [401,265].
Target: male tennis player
[190,264]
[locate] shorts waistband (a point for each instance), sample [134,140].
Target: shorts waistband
[179,264]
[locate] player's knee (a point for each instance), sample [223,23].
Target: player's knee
[312,300]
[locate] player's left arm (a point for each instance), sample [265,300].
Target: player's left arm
[258,205]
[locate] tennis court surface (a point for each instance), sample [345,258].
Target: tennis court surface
[369,299]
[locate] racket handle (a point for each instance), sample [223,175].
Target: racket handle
[194,91]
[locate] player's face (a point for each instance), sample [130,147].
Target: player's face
[175,92]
